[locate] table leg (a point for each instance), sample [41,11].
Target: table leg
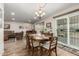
[40,48]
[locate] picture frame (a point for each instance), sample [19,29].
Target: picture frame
[48,25]
[20,27]
[6,26]
[42,23]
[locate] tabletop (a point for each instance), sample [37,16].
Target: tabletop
[39,37]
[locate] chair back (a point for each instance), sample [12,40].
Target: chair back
[31,42]
[53,42]
[48,34]
[19,35]
[28,38]
[31,32]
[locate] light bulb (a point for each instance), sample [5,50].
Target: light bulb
[12,13]
[36,13]
[43,13]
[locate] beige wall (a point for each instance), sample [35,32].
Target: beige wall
[14,26]
[48,20]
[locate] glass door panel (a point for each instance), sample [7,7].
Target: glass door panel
[74,30]
[62,30]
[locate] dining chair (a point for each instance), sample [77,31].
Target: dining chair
[19,36]
[51,45]
[34,45]
[27,41]
[27,38]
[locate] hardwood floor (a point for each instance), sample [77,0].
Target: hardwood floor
[18,48]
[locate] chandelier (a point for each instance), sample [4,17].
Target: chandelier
[40,12]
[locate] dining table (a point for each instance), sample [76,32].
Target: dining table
[39,38]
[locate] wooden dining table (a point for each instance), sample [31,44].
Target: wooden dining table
[40,38]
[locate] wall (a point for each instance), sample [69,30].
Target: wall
[54,21]
[48,20]
[1,31]
[14,26]
[67,10]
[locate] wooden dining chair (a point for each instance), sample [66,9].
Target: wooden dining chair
[34,45]
[19,36]
[27,38]
[27,41]
[51,45]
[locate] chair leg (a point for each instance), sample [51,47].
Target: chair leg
[49,52]
[56,51]
[41,51]
[36,51]
[29,50]
[32,51]
[44,51]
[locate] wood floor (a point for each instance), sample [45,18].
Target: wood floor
[18,48]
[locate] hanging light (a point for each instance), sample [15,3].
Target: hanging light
[40,13]
[12,13]
[36,13]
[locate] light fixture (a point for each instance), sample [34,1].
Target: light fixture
[36,13]
[12,13]
[40,12]
[13,19]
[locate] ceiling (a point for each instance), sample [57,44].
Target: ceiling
[25,12]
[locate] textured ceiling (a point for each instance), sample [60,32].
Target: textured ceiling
[25,12]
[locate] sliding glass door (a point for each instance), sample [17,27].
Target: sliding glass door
[62,30]
[74,30]
[68,31]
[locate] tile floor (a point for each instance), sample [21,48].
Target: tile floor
[18,48]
